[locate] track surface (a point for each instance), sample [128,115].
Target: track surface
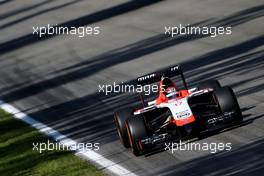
[55,80]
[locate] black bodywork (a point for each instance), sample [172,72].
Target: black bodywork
[213,106]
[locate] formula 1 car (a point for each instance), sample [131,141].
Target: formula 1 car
[176,112]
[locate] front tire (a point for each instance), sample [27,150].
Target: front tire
[227,102]
[120,118]
[136,129]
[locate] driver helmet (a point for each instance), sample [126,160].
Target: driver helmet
[171,92]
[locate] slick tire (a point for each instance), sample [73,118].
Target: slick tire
[136,129]
[227,102]
[120,118]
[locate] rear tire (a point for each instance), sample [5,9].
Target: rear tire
[212,84]
[120,118]
[227,102]
[136,129]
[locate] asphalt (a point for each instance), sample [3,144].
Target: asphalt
[55,79]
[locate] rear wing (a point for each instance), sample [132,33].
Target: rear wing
[156,76]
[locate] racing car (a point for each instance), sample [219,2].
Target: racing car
[176,111]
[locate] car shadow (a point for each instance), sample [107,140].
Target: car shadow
[247,119]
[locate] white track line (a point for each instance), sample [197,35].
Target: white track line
[88,154]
